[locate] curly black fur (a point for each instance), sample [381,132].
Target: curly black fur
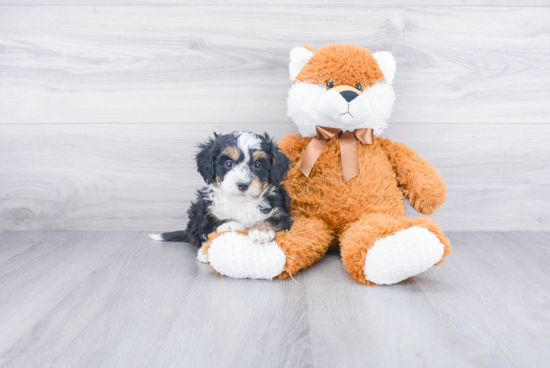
[211,167]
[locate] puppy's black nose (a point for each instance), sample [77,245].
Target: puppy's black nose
[243,186]
[348,95]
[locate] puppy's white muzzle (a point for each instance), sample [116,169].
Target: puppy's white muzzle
[345,106]
[236,177]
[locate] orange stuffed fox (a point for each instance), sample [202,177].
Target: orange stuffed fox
[346,187]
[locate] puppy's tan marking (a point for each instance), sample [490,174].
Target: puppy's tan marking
[232,152]
[256,183]
[258,155]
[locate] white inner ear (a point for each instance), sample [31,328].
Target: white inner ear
[299,56]
[386,62]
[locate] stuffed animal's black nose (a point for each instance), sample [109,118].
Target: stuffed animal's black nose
[348,95]
[243,186]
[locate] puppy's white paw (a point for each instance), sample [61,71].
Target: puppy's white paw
[230,226]
[261,236]
[202,256]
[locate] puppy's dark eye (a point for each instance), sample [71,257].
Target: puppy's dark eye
[256,165]
[229,164]
[330,84]
[358,86]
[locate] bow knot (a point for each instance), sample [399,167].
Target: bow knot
[348,151]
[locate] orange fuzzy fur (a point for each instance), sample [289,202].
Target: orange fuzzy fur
[341,64]
[368,207]
[360,236]
[355,214]
[304,244]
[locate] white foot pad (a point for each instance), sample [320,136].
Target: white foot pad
[230,226]
[261,236]
[237,256]
[406,253]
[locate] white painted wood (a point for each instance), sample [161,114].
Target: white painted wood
[142,176]
[72,176]
[491,3]
[114,299]
[472,87]
[228,63]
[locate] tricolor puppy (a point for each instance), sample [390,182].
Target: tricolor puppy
[243,172]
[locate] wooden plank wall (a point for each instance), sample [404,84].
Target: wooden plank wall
[102,102]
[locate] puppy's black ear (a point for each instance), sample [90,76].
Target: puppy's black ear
[205,160]
[279,165]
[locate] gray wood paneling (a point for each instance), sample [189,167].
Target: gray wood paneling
[228,63]
[101,105]
[142,176]
[114,299]
[285,2]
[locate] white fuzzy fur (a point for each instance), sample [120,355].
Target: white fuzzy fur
[247,141]
[237,256]
[299,56]
[386,62]
[406,253]
[335,108]
[245,213]
[261,236]
[241,173]
[303,108]
[156,237]
[230,226]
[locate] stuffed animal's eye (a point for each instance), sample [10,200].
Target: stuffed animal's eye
[257,165]
[358,86]
[330,84]
[229,164]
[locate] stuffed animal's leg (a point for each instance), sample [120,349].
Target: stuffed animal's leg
[304,244]
[378,249]
[236,255]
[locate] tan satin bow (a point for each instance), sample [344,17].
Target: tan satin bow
[348,151]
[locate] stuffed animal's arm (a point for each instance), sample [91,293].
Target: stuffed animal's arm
[419,181]
[293,145]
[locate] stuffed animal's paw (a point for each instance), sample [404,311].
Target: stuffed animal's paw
[238,256]
[230,226]
[397,257]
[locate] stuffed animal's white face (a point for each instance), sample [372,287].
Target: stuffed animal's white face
[340,86]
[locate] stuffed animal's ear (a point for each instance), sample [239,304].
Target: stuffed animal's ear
[205,160]
[386,62]
[299,56]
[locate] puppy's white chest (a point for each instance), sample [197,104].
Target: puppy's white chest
[247,213]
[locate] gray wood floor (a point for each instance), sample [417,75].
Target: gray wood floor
[117,299]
